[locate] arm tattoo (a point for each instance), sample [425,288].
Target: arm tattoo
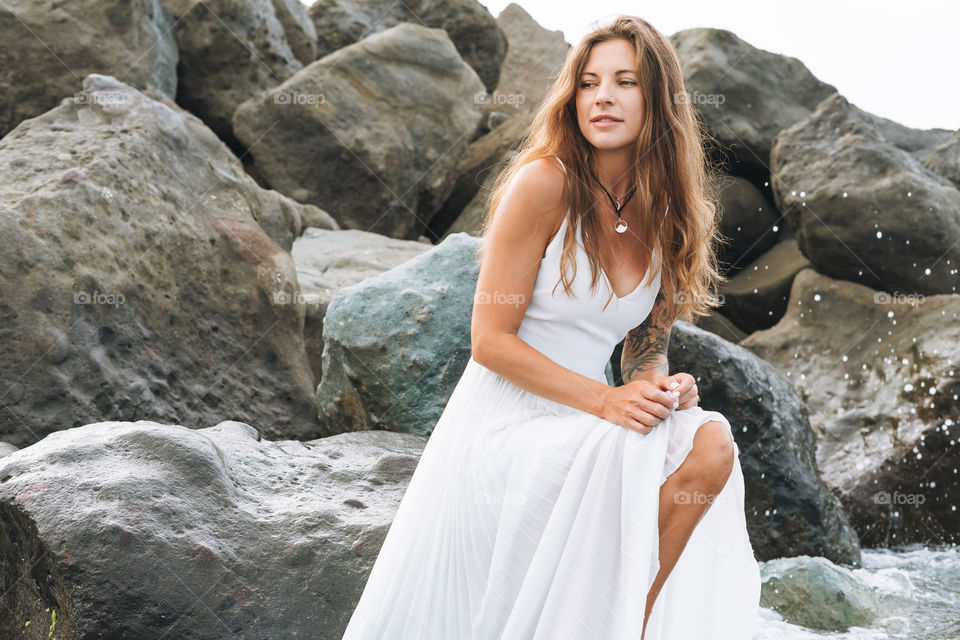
[645,347]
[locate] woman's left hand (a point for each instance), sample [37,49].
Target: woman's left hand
[683,383]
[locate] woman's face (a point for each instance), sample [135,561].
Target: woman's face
[609,85]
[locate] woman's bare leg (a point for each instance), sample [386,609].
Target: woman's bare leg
[685,496]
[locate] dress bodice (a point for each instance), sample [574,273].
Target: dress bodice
[576,331]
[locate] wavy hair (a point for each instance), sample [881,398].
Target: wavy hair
[674,182]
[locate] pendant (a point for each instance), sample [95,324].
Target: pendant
[621,226]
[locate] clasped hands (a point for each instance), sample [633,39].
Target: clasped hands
[641,404]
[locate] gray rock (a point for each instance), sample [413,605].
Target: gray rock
[864,209]
[814,593]
[866,363]
[371,133]
[195,534]
[229,51]
[719,324]
[944,159]
[47,47]
[533,60]
[749,223]
[139,277]
[35,597]
[479,165]
[396,344]
[298,28]
[328,261]
[474,32]
[756,297]
[745,95]
[790,510]
[474,216]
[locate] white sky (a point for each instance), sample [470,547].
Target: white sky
[899,60]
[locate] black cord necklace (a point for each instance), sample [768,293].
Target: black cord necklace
[621,225]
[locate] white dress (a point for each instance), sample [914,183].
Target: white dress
[527,519]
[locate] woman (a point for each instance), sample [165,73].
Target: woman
[546,503]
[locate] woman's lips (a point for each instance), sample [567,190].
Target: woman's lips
[606,123]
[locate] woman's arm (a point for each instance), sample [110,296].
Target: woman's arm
[644,357]
[644,354]
[530,212]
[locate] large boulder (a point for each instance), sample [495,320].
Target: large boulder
[756,297]
[396,344]
[534,58]
[864,209]
[229,51]
[745,95]
[881,374]
[47,47]
[372,132]
[790,510]
[944,159]
[147,530]
[474,32]
[478,167]
[141,274]
[330,260]
[749,223]
[298,28]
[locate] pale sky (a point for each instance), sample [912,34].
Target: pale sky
[892,58]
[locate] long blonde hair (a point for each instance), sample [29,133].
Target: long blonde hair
[670,168]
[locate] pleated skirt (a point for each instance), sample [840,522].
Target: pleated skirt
[527,519]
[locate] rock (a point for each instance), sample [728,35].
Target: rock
[484,158]
[756,298]
[474,216]
[748,222]
[720,325]
[298,28]
[139,277]
[328,261]
[864,209]
[745,95]
[371,133]
[944,160]
[473,31]
[866,363]
[35,597]
[230,50]
[790,511]
[47,47]
[165,530]
[533,60]
[815,593]
[317,218]
[6,449]
[396,344]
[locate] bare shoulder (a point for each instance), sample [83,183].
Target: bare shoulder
[535,196]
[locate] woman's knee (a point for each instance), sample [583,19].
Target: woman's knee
[716,451]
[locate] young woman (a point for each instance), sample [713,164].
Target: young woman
[547,504]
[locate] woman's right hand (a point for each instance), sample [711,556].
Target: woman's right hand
[637,405]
